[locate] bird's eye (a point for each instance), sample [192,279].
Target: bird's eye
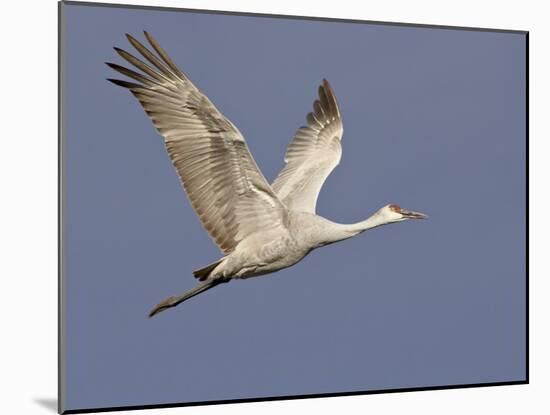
[395,208]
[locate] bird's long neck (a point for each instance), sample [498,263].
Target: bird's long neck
[372,222]
[341,231]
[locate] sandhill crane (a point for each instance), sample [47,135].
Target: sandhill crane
[260,228]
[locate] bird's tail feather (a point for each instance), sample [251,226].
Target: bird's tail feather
[204,273]
[174,301]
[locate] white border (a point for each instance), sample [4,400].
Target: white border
[28,206]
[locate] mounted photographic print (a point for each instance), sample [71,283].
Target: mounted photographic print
[259,207]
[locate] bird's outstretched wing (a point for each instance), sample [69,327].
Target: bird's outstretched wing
[312,154]
[227,190]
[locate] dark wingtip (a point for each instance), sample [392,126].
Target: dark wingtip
[149,37]
[327,85]
[124,84]
[132,40]
[152,41]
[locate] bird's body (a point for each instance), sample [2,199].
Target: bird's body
[265,252]
[261,228]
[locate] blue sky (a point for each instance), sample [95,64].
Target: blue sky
[434,120]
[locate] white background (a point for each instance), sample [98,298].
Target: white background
[28,203]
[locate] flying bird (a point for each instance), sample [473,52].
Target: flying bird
[260,227]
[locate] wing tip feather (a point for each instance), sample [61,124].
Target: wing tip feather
[148,36]
[124,84]
[329,101]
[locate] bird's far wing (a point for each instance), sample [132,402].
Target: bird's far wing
[312,154]
[227,190]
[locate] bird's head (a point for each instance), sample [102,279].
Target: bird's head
[394,213]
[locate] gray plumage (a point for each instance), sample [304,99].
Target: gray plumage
[261,228]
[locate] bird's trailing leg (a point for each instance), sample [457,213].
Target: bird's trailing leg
[175,300]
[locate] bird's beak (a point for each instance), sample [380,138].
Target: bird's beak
[409,214]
